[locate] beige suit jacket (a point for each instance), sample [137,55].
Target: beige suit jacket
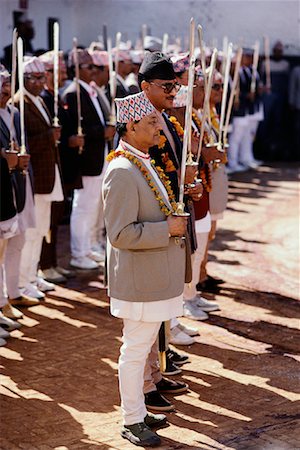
[144,264]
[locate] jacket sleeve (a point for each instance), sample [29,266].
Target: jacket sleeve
[121,205]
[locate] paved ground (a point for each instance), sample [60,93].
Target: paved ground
[59,383]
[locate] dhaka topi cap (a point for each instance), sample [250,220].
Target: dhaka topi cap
[152,44]
[217,76]
[133,108]
[124,54]
[4,73]
[136,56]
[32,64]
[48,59]
[248,51]
[180,62]
[83,57]
[180,99]
[100,57]
[157,65]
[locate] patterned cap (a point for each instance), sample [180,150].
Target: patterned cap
[4,73]
[83,57]
[100,57]
[180,99]
[48,59]
[217,76]
[133,108]
[124,55]
[32,64]
[180,62]
[137,56]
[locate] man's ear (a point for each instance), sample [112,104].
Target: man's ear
[145,85]
[130,126]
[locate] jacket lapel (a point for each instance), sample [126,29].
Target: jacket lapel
[175,136]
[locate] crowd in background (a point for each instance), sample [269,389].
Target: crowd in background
[71,170]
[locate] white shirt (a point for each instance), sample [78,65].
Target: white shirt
[93,95]
[160,310]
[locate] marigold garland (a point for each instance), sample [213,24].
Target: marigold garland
[205,176]
[162,141]
[198,123]
[164,179]
[177,126]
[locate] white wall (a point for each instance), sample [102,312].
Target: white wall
[238,19]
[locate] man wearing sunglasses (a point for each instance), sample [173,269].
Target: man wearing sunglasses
[87,204]
[158,80]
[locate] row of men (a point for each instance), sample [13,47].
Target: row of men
[80,162]
[162,91]
[64,168]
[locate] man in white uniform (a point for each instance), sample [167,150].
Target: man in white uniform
[146,263]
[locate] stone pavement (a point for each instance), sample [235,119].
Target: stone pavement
[59,383]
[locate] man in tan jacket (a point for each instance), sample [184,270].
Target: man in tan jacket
[146,256]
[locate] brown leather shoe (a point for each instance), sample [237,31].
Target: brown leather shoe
[11,312]
[24,300]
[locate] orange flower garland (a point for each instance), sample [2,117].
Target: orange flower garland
[162,141]
[177,126]
[164,179]
[205,175]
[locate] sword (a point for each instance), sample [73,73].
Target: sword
[233,92]
[165,43]
[13,87]
[224,96]
[267,62]
[206,106]
[21,92]
[254,67]
[79,118]
[55,71]
[112,84]
[162,347]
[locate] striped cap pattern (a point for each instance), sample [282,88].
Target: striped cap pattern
[32,64]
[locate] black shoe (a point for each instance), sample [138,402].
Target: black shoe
[157,402]
[207,286]
[165,386]
[139,434]
[177,358]
[155,420]
[171,368]
[215,280]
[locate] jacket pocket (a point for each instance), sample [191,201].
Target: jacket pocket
[151,271]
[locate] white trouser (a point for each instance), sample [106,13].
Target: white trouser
[33,240]
[9,276]
[138,338]
[85,211]
[190,290]
[240,142]
[97,228]
[3,245]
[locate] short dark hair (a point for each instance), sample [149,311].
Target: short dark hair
[121,129]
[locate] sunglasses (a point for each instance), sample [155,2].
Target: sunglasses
[167,87]
[87,66]
[217,87]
